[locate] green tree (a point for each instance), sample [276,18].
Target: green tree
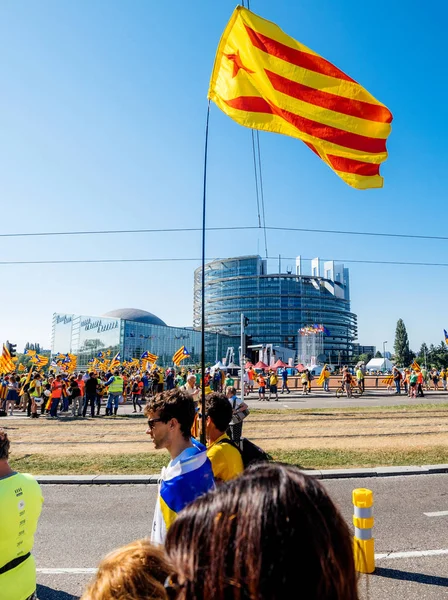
[378,354]
[401,345]
[422,354]
[365,357]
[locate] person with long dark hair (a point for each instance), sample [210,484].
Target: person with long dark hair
[270,534]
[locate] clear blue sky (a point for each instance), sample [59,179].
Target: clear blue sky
[102,111]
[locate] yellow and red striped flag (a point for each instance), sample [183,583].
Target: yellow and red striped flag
[264,79]
[180,355]
[415,366]
[388,380]
[115,362]
[151,358]
[7,360]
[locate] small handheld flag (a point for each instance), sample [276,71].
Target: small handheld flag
[115,362]
[151,358]
[180,355]
[446,336]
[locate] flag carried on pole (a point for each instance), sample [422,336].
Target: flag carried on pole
[446,336]
[29,352]
[151,358]
[180,355]
[26,382]
[7,360]
[115,362]
[39,360]
[415,366]
[264,79]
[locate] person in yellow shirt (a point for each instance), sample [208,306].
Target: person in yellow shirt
[20,507]
[223,454]
[273,382]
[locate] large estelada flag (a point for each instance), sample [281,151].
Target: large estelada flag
[264,79]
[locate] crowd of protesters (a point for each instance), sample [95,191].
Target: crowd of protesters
[84,393]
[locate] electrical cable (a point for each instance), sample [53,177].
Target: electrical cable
[184,259]
[232,228]
[256,179]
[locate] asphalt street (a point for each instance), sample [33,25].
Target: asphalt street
[80,523]
[320,399]
[317,399]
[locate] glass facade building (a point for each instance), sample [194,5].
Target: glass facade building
[278,305]
[131,332]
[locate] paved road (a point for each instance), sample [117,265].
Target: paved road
[316,400]
[79,524]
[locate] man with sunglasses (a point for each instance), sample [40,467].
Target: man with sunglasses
[189,473]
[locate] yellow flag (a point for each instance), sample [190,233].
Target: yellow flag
[415,366]
[265,79]
[27,380]
[321,379]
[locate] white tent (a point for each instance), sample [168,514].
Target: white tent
[379,364]
[219,366]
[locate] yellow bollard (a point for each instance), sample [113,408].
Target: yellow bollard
[363,543]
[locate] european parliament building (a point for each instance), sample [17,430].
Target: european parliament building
[131,332]
[279,305]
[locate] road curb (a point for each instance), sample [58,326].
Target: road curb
[318,473]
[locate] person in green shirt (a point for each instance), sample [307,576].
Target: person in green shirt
[360,378]
[228,381]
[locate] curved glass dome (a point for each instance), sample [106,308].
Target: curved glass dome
[135,314]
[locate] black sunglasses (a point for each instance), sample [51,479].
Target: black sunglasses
[151,422]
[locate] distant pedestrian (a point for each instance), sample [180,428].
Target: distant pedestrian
[116,387]
[236,428]
[137,389]
[273,383]
[91,394]
[285,380]
[261,387]
[397,380]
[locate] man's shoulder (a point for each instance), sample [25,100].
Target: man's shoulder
[223,446]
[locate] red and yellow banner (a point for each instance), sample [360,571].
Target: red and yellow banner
[264,79]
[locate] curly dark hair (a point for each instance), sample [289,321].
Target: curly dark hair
[4,444]
[174,404]
[271,530]
[219,409]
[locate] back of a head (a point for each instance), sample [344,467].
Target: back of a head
[134,572]
[272,533]
[219,409]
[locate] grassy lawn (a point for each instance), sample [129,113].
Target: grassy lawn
[40,464]
[409,408]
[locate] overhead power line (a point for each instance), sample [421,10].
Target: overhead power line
[184,259]
[230,228]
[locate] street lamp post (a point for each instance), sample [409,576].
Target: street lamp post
[384,350]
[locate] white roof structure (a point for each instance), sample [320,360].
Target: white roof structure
[379,364]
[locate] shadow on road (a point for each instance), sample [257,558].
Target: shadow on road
[406,576]
[46,593]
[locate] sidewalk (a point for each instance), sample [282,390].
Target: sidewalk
[319,474]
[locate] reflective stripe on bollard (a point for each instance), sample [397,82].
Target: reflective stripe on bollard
[363,543]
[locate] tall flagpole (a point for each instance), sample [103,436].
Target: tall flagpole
[204,195]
